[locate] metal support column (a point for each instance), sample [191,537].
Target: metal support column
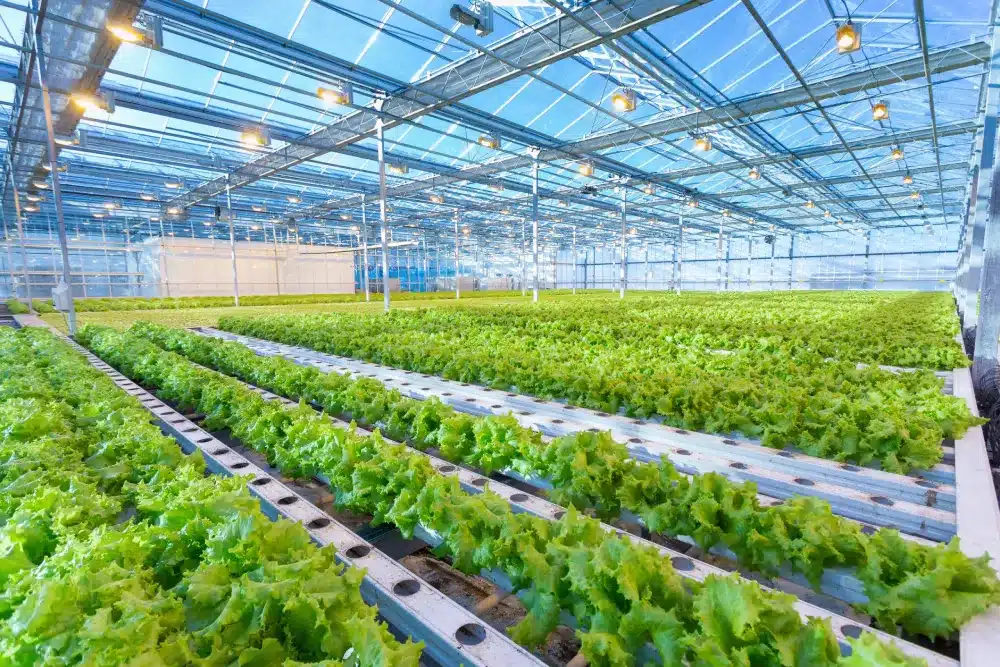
[646,268]
[364,248]
[232,242]
[574,259]
[20,239]
[520,257]
[534,220]
[791,262]
[718,261]
[868,282]
[40,70]
[984,364]
[458,290]
[623,270]
[979,207]
[729,254]
[380,136]
[749,263]
[680,254]
[770,280]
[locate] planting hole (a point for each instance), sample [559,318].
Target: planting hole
[471,634]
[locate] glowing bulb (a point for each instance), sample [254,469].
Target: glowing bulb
[703,144]
[897,153]
[754,173]
[126,33]
[293,199]
[586,169]
[908,179]
[880,111]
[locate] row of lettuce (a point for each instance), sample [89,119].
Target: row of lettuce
[116,549]
[924,590]
[611,357]
[623,596]
[98,304]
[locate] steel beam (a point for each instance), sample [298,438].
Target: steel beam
[527,50]
[863,78]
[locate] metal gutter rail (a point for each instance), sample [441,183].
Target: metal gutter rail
[452,634]
[519,501]
[913,505]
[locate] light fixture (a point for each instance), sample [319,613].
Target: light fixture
[848,38]
[207,223]
[827,214]
[914,195]
[345,216]
[489,141]
[840,222]
[95,101]
[174,210]
[897,153]
[40,184]
[908,179]
[294,199]
[398,168]
[355,229]
[258,208]
[110,205]
[751,221]
[692,203]
[880,110]
[255,227]
[754,173]
[34,197]
[585,168]
[148,33]
[703,143]
[31,208]
[466,231]
[726,213]
[61,167]
[341,93]
[152,218]
[173,184]
[649,189]
[478,14]
[623,100]
[505,211]
[632,231]
[147,196]
[496,187]
[436,198]
[255,138]
[99,214]
[810,204]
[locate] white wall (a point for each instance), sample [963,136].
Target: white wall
[199,267]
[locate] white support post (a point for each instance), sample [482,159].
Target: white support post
[534,220]
[40,70]
[364,247]
[380,136]
[20,239]
[680,254]
[232,243]
[791,262]
[729,254]
[520,258]
[458,265]
[646,268]
[718,260]
[623,270]
[770,280]
[749,263]
[574,259]
[868,283]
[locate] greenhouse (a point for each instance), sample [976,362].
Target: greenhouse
[609,333]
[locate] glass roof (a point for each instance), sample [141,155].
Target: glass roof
[784,157]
